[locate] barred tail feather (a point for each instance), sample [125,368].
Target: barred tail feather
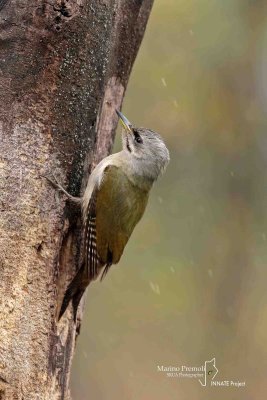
[74,292]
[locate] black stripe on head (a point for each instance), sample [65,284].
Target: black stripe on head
[127,145]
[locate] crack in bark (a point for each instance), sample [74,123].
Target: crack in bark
[3,380]
[63,10]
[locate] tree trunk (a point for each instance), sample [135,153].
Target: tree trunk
[64,67]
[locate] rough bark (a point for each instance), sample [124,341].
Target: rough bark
[64,67]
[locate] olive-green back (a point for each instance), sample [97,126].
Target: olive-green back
[119,206]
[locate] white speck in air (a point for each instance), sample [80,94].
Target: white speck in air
[163,82]
[154,287]
[160,200]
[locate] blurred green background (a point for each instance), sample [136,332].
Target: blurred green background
[192,281]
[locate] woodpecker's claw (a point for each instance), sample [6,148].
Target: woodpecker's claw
[57,185]
[54,182]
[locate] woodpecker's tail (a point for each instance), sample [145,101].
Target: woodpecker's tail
[74,292]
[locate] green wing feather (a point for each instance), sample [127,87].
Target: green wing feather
[114,210]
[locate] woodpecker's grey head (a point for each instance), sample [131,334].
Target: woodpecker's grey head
[145,148]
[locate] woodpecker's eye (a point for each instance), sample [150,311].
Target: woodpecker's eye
[137,137]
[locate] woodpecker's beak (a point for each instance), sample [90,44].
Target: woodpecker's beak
[124,121]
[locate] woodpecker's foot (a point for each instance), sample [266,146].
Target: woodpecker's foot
[57,185]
